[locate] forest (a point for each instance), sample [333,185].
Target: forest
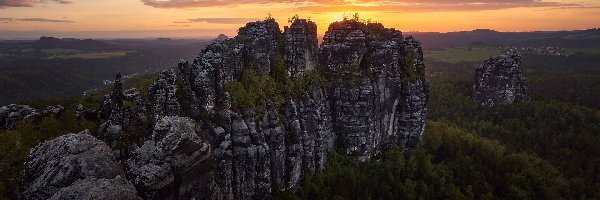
[35,70]
[545,149]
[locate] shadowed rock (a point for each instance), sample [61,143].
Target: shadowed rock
[500,80]
[74,166]
[174,163]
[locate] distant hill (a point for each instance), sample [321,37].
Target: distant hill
[566,39]
[70,43]
[33,70]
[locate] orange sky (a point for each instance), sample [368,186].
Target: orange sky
[207,18]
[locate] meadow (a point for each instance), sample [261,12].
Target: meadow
[77,54]
[463,54]
[572,51]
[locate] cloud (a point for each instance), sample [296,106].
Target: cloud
[218,20]
[371,5]
[171,33]
[205,3]
[45,20]
[28,3]
[434,6]
[7,20]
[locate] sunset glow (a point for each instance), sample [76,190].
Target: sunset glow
[207,18]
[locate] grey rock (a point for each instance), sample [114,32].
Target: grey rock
[500,81]
[117,188]
[174,164]
[301,47]
[55,111]
[374,95]
[377,91]
[162,95]
[261,40]
[73,166]
[13,113]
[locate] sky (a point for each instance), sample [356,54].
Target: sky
[208,18]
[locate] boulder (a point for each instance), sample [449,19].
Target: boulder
[74,166]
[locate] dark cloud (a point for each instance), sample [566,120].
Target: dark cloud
[218,20]
[45,20]
[29,3]
[371,5]
[7,20]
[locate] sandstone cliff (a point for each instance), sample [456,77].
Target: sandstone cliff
[362,89]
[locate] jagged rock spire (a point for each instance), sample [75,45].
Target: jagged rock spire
[301,47]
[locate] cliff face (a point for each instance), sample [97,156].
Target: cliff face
[255,154]
[500,81]
[373,94]
[301,47]
[377,88]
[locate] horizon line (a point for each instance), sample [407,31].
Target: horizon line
[215,32]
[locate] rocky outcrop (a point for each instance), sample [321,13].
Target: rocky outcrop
[163,101]
[75,166]
[55,111]
[81,112]
[301,47]
[364,88]
[218,63]
[117,188]
[13,113]
[221,37]
[111,107]
[377,87]
[175,163]
[500,81]
[255,154]
[375,94]
[261,42]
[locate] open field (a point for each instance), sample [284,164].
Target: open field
[92,55]
[571,51]
[463,54]
[61,51]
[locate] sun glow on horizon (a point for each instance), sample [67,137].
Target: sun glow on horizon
[117,18]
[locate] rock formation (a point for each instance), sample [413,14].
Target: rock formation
[500,81]
[175,163]
[13,113]
[55,111]
[362,89]
[162,95]
[301,47]
[257,153]
[81,112]
[75,166]
[261,42]
[377,91]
